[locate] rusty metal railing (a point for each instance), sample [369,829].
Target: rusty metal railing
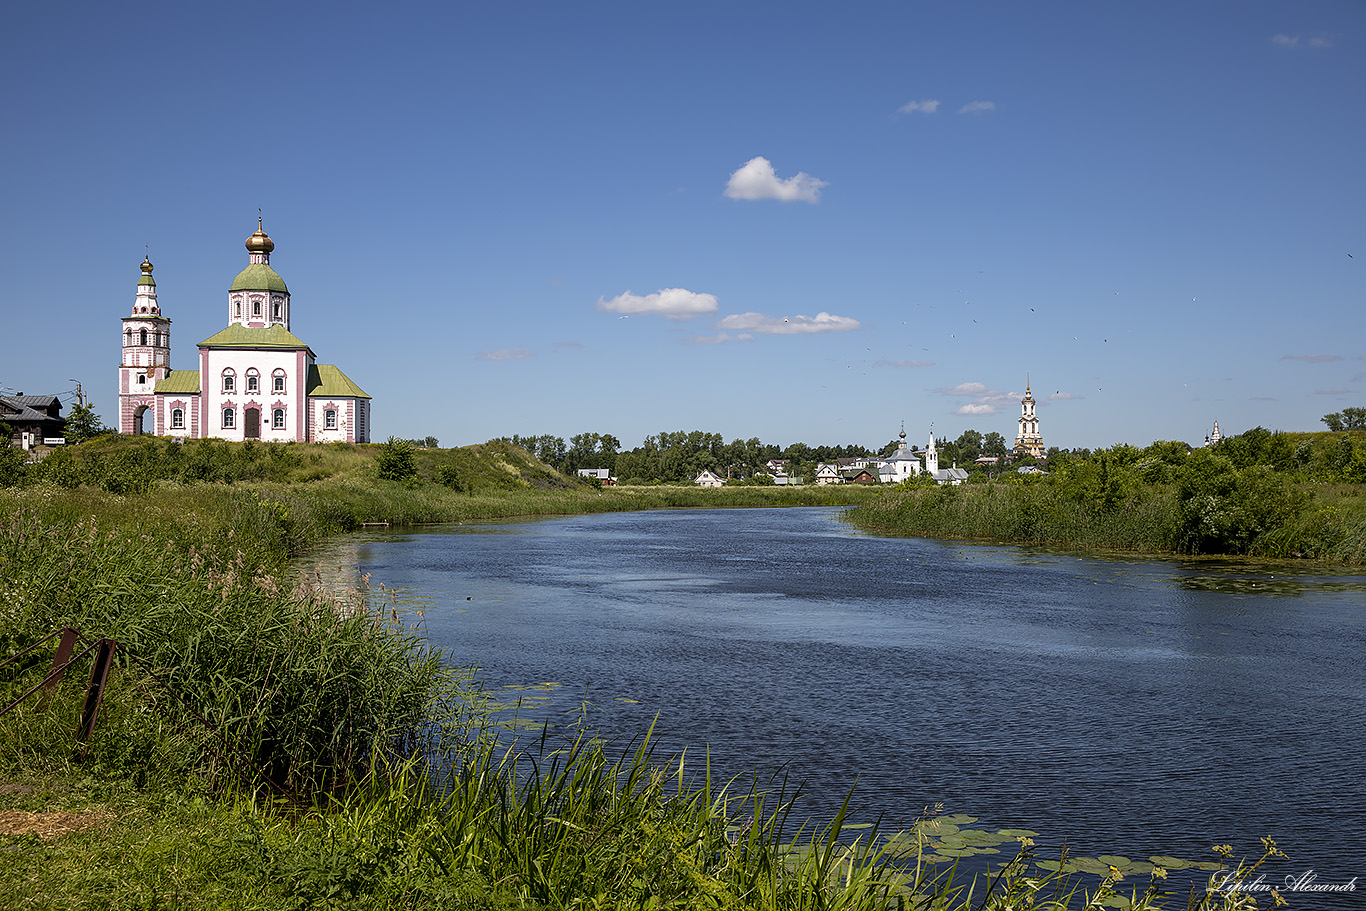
[61,662]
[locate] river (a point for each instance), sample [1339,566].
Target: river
[1135,707]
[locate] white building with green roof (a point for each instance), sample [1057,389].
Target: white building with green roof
[256,380]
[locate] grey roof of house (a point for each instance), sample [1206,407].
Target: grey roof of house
[26,407]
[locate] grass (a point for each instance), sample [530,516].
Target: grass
[1328,524]
[264,746]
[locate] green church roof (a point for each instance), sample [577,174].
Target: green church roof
[259,277]
[146,279]
[239,336]
[326,380]
[179,382]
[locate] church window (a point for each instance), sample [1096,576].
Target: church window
[229,380]
[279,381]
[142,378]
[253,381]
[330,419]
[277,419]
[177,418]
[256,308]
[229,418]
[129,336]
[143,335]
[277,310]
[239,309]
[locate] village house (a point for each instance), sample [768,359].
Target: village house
[32,419]
[708,478]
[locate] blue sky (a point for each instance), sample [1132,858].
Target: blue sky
[796,221]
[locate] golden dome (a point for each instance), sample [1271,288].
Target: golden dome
[260,242]
[147,265]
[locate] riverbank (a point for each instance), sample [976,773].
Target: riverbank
[1306,521]
[259,744]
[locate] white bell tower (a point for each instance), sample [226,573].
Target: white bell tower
[146,357]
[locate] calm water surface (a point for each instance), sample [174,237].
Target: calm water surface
[1131,707]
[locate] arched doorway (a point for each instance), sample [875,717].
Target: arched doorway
[138,412]
[253,423]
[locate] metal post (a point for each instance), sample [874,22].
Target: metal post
[104,657]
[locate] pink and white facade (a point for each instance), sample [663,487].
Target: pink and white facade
[255,380]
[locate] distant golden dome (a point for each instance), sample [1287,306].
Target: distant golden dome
[147,265]
[260,242]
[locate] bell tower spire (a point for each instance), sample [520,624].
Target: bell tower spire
[146,356]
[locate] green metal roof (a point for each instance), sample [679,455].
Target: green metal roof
[327,381]
[239,336]
[180,382]
[146,280]
[259,277]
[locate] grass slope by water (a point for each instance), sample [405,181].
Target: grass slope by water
[262,745]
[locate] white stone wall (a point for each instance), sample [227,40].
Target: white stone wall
[214,361]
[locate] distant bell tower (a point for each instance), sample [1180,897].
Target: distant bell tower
[146,357]
[1029,441]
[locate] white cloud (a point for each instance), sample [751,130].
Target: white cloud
[1294,41]
[1312,358]
[795,325]
[719,338]
[674,303]
[505,354]
[756,180]
[1337,390]
[976,409]
[924,106]
[1061,396]
[965,389]
[977,107]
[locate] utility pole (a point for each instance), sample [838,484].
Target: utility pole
[80,395]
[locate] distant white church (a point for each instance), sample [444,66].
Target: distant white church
[256,380]
[1029,441]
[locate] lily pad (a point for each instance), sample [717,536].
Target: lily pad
[1092,865]
[956,818]
[1171,863]
[1018,833]
[1115,901]
[1114,860]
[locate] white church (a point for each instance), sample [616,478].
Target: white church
[256,380]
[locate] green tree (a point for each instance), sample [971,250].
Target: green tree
[968,447]
[1346,419]
[83,424]
[12,463]
[993,444]
[396,461]
[1225,510]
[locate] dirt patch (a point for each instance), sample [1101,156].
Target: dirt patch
[52,824]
